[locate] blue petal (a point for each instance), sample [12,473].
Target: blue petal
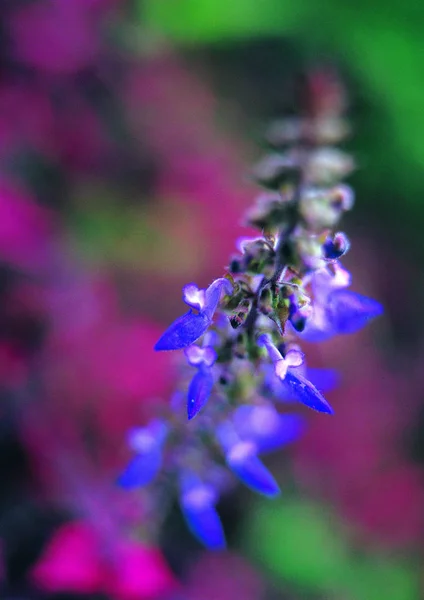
[305,392]
[213,295]
[205,524]
[141,470]
[184,331]
[199,391]
[323,379]
[314,334]
[348,312]
[264,426]
[253,473]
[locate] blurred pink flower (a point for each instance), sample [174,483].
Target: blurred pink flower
[55,36]
[13,366]
[112,371]
[80,138]
[25,229]
[139,573]
[353,459]
[223,576]
[70,561]
[76,560]
[388,505]
[201,168]
[100,362]
[20,127]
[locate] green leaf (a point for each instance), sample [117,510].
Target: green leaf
[299,543]
[376,579]
[191,21]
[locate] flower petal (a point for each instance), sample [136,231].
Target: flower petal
[348,311]
[198,509]
[143,440]
[197,356]
[193,296]
[264,426]
[244,463]
[213,295]
[184,331]
[199,391]
[274,354]
[141,469]
[305,392]
[323,379]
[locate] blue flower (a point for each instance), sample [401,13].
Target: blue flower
[335,247]
[241,457]
[197,503]
[293,358]
[304,391]
[264,426]
[201,385]
[147,443]
[295,384]
[348,311]
[323,379]
[185,330]
[337,310]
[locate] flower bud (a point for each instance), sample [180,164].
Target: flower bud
[335,247]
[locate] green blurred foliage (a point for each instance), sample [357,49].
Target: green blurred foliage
[107,229]
[301,544]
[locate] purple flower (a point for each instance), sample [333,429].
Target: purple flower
[335,309]
[293,358]
[348,311]
[304,391]
[197,503]
[295,384]
[336,246]
[241,457]
[185,330]
[147,443]
[323,379]
[201,385]
[264,426]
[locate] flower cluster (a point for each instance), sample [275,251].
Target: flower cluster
[241,334]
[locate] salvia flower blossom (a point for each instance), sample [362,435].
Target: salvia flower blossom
[241,335]
[146,443]
[197,501]
[191,326]
[201,385]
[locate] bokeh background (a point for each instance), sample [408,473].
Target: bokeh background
[127,129]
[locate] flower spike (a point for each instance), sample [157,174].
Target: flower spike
[283,285]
